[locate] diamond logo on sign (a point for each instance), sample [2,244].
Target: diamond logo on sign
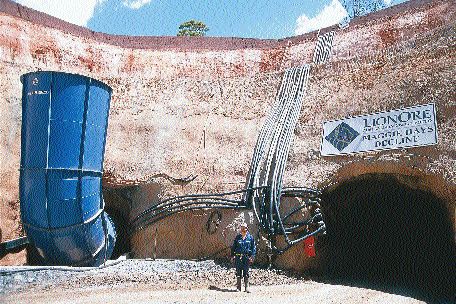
[342,136]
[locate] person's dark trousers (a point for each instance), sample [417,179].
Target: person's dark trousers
[242,270]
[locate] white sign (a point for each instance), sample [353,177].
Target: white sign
[402,128]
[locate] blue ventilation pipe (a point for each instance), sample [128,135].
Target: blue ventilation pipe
[64,123]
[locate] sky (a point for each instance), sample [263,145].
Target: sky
[266,19]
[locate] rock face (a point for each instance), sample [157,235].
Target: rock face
[194,106]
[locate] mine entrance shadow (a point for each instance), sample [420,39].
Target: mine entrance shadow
[388,235]
[406,291]
[212,287]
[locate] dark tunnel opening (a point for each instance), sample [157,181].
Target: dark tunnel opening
[118,205]
[383,233]
[122,238]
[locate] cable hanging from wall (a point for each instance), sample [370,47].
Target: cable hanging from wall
[264,185]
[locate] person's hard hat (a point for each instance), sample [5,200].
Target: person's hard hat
[244,225]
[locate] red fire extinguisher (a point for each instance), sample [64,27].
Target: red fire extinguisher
[309,246]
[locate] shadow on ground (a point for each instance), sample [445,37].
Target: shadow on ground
[212,287]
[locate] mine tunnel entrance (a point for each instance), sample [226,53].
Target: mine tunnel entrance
[387,234]
[118,205]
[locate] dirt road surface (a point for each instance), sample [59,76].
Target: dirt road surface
[310,292]
[165,281]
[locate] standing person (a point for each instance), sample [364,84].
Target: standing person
[243,253]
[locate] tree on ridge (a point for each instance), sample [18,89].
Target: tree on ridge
[192,28]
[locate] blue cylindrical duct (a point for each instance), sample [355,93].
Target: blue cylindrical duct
[64,123]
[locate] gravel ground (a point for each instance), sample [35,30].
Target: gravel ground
[158,274]
[175,281]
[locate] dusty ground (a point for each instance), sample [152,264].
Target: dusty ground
[167,281]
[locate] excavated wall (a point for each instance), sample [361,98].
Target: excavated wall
[194,106]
